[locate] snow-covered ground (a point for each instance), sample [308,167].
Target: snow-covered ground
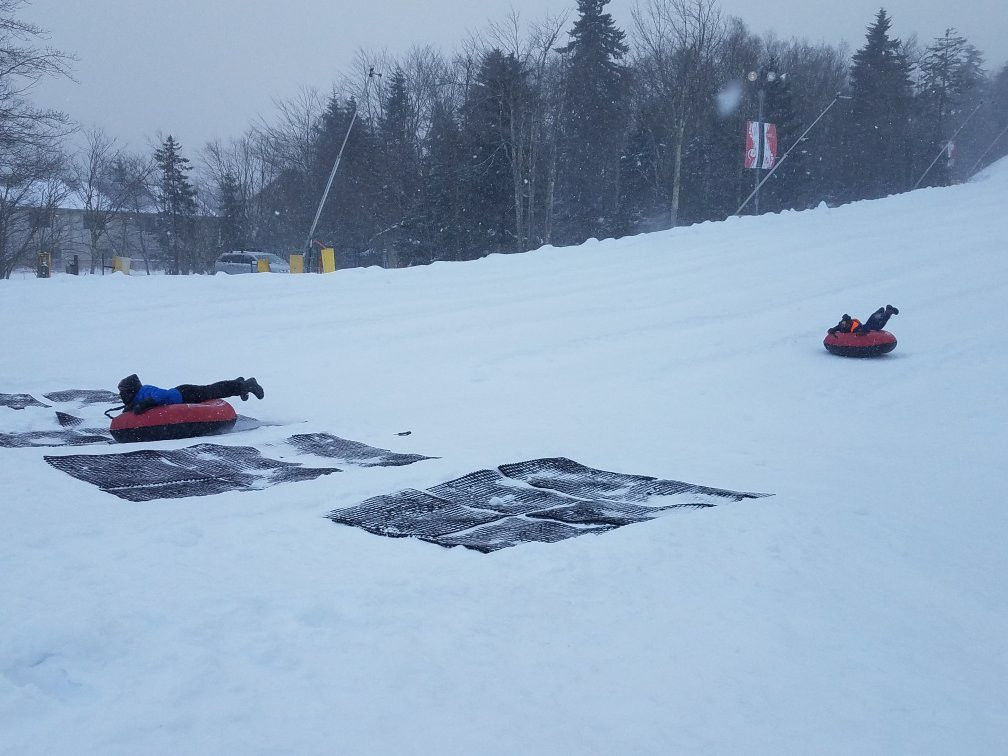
[862,608]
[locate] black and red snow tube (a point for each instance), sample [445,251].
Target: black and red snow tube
[174,421]
[870,344]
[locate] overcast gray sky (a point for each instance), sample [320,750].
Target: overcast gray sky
[204,69]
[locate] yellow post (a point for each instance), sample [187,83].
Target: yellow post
[297,263]
[121,264]
[328,260]
[262,265]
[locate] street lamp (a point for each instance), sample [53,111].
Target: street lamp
[779,163]
[760,79]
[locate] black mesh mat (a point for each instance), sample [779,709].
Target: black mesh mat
[351,452]
[68,421]
[84,396]
[491,489]
[199,470]
[600,513]
[70,433]
[411,513]
[513,531]
[54,438]
[542,500]
[20,401]
[562,474]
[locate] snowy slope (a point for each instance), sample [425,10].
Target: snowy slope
[860,609]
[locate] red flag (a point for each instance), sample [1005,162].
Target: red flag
[761,145]
[752,142]
[769,145]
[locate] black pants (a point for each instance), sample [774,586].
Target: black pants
[192,394]
[876,321]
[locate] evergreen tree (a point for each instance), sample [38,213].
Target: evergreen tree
[399,167]
[951,76]
[939,78]
[488,122]
[645,171]
[593,125]
[821,74]
[877,143]
[713,180]
[441,227]
[232,215]
[176,206]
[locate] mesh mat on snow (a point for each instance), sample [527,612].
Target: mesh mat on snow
[542,500]
[70,432]
[55,438]
[20,401]
[514,530]
[565,475]
[350,452]
[68,421]
[199,470]
[412,513]
[84,396]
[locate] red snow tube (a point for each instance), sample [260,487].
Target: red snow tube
[174,421]
[869,344]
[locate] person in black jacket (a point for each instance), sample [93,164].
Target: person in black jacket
[876,321]
[139,397]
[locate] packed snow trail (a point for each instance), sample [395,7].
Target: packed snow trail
[861,608]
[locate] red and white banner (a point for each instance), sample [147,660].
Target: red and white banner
[761,145]
[769,145]
[752,143]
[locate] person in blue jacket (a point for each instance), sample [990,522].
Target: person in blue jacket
[876,321]
[139,397]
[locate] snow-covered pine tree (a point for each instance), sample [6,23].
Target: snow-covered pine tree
[951,78]
[877,134]
[593,126]
[489,124]
[176,199]
[232,214]
[396,208]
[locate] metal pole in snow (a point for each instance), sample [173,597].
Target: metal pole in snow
[785,157]
[325,194]
[332,173]
[980,159]
[759,148]
[945,146]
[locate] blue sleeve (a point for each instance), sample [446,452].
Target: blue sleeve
[158,395]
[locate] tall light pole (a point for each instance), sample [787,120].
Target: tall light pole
[332,174]
[785,157]
[760,78]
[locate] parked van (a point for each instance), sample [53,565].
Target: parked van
[248,262]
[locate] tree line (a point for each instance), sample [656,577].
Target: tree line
[547,133]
